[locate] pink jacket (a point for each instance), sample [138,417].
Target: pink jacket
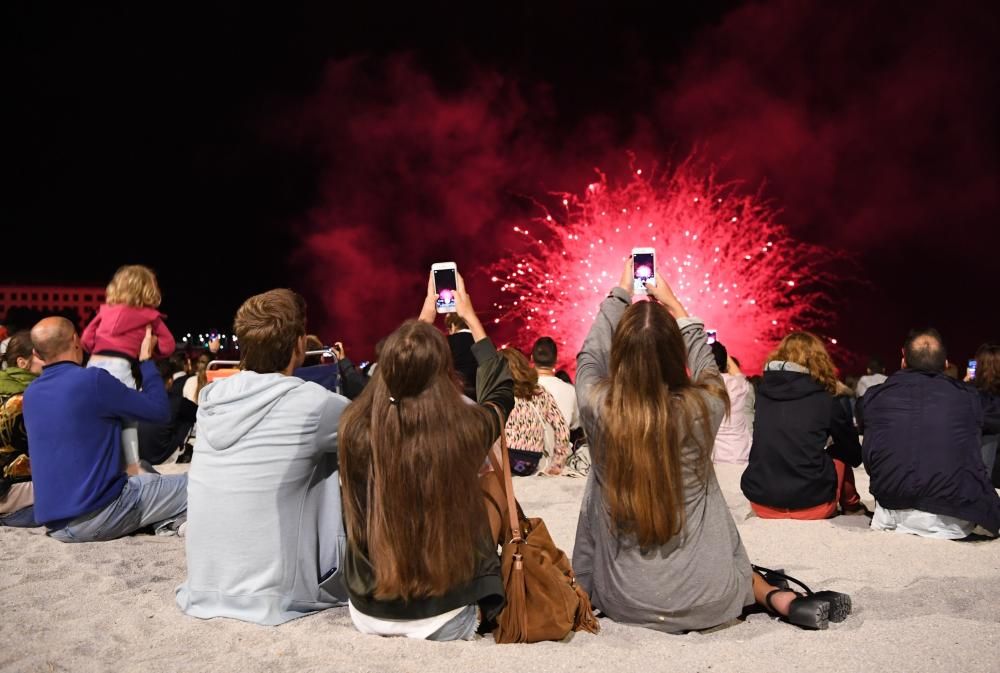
[121,328]
[732,443]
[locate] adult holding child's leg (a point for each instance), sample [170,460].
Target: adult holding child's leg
[656,545]
[422,561]
[74,418]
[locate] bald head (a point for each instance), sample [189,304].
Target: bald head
[924,349]
[54,339]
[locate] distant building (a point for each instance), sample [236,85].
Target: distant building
[23,305]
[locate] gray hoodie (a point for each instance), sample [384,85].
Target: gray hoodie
[264,515]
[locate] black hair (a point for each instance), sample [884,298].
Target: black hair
[929,354]
[544,352]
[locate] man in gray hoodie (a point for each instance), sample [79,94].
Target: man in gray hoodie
[265,533]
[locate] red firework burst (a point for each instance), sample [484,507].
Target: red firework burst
[723,252]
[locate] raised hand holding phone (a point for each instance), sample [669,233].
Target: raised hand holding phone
[662,293]
[445,286]
[643,269]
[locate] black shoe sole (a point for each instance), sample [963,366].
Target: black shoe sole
[840,604]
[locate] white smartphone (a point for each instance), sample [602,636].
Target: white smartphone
[643,269]
[445,285]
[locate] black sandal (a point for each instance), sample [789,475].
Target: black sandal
[807,612]
[840,604]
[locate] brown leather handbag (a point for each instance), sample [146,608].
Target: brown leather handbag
[544,602]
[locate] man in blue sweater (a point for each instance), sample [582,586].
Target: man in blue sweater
[74,420]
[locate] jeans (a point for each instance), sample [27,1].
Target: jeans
[22,518]
[460,627]
[146,499]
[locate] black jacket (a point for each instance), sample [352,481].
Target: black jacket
[790,465]
[922,448]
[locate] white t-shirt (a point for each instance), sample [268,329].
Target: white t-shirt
[869,381]
[411,628]
[565,396]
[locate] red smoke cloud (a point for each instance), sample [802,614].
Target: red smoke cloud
[873,130]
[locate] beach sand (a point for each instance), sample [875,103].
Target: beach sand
[920,605]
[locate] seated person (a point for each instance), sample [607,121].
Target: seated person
[795,472]
[656,545]
[922,448]
[159,441]
[732,442]
[74,418]
[543,356]
[264,534]
[17,494]
[537,434]
[460,342]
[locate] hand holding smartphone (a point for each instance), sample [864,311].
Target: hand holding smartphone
[445,276]
[711,336]
[643,269]
[971,370]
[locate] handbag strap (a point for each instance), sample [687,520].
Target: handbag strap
[508,483]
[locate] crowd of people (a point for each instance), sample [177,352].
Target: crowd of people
[313,485]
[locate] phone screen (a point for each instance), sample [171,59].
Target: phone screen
[711,336]
[445,285]
[972,369]
[642,270]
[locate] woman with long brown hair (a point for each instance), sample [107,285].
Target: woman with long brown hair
[804,441]
[536,429]
[421,560]
[987,382]
[656,545]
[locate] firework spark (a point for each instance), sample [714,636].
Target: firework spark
[723,252]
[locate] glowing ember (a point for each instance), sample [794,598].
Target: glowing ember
[723,252]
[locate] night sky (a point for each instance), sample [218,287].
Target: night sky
[341,150]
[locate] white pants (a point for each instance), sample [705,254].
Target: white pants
[121,369]
[917,522]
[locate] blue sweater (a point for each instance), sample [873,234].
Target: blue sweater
[74,420]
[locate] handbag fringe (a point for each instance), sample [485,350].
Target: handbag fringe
[514,618]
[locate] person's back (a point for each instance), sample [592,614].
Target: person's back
[732,441]
[701,576]
[543,356]
[264,524]
[76,462]
[260,495]
[794,471]
[922,448]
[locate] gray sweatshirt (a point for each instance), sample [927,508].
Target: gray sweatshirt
[701,577]
[264,514]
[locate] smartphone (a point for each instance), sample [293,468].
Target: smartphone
[445,286]
[643,269]
[972,370]
[711,336]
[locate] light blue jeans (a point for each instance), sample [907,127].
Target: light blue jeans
[146,499]
[22,518]
[460,627]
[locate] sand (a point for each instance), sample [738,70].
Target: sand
[920,605]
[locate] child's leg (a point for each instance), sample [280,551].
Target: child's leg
[121,369]
[130,447]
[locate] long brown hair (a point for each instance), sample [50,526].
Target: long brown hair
[410,452]
[988,368]
[650,415]
[806,349]
[525,376]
